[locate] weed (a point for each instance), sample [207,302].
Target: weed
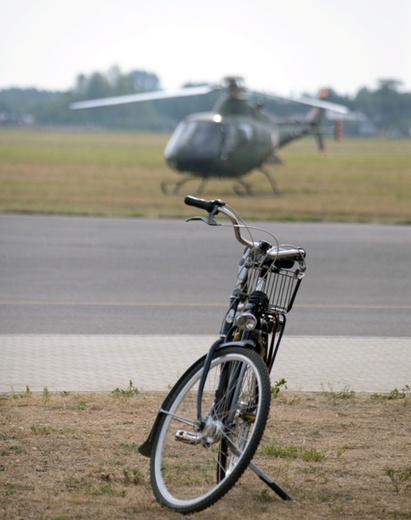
[349,425]
[404,393]
[46,395]
[265,496]
[278,385]
[106,489]
[43,429]
[312,455]
[398,477]
[345,393]
[10,489]
[281,451]
[82,486]
[40,429]
[133,447]
[133,476]
[130,391]
[12,450]
[399,515]
[107,477]
[27,393]
[66,431]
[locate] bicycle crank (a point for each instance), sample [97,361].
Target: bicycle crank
[188,437]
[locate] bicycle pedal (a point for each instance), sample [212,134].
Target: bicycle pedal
[187,437]
[247,413]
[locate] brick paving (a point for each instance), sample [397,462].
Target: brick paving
[95,363]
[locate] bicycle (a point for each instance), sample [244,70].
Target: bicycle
[211,422]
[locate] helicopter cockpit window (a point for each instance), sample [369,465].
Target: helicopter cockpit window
[245,134]
[202,138]
[180,136]
[230,138]
[235,136]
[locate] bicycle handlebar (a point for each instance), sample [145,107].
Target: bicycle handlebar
[217,206]
[213,207]
[208,205]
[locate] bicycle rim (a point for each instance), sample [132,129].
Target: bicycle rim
[190,470]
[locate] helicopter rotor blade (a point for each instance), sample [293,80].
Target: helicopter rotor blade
[312,102]
[233,86]
[320,103]
[144,96]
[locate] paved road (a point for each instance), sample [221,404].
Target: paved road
[70,275]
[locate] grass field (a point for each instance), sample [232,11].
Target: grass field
[101,173]
[74,456]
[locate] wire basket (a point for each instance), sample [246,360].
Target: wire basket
[281,286]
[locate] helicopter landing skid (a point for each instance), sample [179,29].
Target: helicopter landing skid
[240,188]
[173,188]
[245,189]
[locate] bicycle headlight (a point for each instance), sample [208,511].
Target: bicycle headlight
[246,321]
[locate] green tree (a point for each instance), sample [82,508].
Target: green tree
[386,107]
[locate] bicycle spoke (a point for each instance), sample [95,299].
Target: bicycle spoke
[180,418]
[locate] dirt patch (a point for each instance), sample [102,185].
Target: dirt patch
[68,456]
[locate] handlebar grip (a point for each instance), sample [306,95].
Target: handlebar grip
[207,205]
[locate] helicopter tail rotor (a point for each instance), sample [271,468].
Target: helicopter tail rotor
[338,130]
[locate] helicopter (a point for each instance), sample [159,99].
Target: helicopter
[236,137]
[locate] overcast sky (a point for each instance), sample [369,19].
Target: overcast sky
[283,46]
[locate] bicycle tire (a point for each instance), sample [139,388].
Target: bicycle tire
[191,471]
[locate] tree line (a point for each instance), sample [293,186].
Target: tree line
[386,110]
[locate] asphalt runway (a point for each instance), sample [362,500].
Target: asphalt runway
[74,275]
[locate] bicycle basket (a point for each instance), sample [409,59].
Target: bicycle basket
[280,285]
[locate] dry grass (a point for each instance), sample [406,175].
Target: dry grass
[120,174]
[71,456]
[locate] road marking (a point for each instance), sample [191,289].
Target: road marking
[199,305]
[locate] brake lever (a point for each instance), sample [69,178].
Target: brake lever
[210,221]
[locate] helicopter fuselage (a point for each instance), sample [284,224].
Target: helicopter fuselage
[230,141]
[210,145]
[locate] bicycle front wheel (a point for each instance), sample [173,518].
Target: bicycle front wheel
[191,467]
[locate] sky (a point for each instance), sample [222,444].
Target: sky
[288,47]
